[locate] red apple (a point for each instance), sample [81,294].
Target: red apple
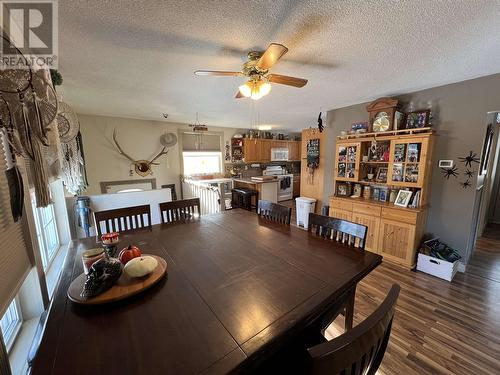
[129,253]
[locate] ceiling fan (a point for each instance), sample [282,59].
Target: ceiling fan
[257,70]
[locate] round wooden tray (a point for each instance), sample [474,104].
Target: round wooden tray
[125,286]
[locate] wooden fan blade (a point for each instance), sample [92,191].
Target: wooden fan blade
[216,73]
[273,53]
[239,95]
[287,80]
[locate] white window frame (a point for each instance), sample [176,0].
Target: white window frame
[201,154]
[11,323]
[43,233]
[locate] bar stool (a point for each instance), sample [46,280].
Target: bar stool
[242,198]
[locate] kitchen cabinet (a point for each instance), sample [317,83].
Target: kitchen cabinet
[251,150]
[392,232]
[340,214]
[396,240]
[279,144]
[265,150]
[259,150]
[294,150]
[372,222]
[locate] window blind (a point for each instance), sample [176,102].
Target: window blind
[201,142]
[14,261]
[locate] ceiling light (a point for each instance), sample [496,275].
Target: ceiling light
[255,89]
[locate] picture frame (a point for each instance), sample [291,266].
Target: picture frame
[398,120]
[417,119]
[343,189]
[382,174]
[403,198]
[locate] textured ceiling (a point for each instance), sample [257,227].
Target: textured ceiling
[136,58]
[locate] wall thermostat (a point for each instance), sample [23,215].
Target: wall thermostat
[446,164]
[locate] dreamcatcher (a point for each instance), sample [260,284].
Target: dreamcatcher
[33,106]
[74,174]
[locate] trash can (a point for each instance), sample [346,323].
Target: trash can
[304,207]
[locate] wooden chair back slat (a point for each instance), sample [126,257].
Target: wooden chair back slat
[123,219]
[186,209]
[274,212]
[361,349]
[343,231]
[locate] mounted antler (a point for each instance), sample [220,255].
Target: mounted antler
[161,153]
[142,167]
[120,150]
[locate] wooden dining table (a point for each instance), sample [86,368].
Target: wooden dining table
[237,290]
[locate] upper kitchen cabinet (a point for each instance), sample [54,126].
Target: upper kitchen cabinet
[294,150]
[265,149]
[259,150]
[251,150]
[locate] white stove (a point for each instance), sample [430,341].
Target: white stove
[285,181]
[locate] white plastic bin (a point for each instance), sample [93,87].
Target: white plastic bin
[437,267]
[304,207]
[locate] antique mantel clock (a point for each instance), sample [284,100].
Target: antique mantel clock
[381,114]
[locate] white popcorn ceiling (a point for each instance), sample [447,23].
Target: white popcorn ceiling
[136,58]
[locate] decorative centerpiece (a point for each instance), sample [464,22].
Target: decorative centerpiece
[103,280]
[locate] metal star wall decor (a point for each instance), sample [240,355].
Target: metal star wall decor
[466,184]
[469,173]
[471,158]
[448,172]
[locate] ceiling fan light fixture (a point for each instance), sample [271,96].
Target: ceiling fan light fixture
[246,89]
[265,88]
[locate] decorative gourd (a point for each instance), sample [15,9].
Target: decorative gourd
[139,267]
[129,253]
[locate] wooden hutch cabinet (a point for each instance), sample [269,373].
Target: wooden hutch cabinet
[395,160]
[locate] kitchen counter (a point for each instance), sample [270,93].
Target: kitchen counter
[248,180]
[268,190]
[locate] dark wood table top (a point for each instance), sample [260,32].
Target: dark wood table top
[236,286]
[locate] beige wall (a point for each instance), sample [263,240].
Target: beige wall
[460,111]
[140,139]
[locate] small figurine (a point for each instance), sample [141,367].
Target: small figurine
[102,275]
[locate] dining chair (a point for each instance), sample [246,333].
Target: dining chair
[274,212]
[357,352]
[346,232]
[127,219]
[360,350]
[182,210]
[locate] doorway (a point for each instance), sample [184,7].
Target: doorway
[486,211]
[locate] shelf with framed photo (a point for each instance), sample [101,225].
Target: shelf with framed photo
[347,161]
[392,175]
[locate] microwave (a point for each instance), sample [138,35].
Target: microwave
[279,154]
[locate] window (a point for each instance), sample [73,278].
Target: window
[201,162]
[46,230]
[10,323]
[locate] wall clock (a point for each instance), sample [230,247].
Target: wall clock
[381,114]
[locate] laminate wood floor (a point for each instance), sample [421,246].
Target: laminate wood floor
[439,327]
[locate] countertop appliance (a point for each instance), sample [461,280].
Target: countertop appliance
[285,181]
[279,154]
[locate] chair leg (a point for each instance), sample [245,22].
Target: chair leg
[349,309]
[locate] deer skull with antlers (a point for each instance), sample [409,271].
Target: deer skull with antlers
[143,167]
